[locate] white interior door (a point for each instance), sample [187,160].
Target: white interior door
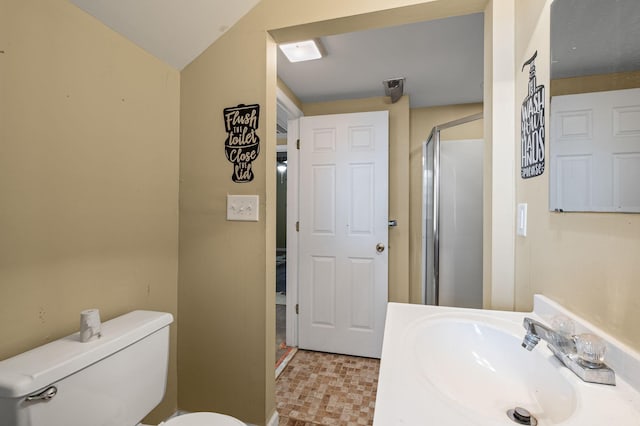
[595,151]
[343,214]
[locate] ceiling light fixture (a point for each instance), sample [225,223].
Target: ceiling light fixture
[303,50]
[282,168]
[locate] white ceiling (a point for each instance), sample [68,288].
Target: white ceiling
[594,37]
[175,31]
[442,62]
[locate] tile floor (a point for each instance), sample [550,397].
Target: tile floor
[319,389]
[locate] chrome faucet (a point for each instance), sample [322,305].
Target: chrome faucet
[536,331]
[583,354]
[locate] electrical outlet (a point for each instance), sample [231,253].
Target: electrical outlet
[242,207]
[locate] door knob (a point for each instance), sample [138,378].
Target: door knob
[379,247]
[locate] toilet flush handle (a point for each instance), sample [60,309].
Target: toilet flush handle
[45,395]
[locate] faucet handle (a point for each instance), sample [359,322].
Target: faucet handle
[564,330]
[563,325]
[591,350]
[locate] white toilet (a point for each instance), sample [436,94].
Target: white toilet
[203,419]
[115,380]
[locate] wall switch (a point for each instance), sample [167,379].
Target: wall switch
[242,207]
[522,219]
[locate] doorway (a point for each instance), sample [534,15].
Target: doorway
[286,202]
[462,61]
[282,349]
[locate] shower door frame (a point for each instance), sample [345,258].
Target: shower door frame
[431,291]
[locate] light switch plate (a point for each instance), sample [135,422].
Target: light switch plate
[243,207]
[522,220]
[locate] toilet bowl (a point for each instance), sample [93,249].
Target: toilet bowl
[203,419]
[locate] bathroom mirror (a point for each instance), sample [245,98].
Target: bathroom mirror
[594,136]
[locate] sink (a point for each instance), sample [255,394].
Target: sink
[466,367]
[487,371]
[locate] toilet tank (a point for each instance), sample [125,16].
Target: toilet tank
[115,380]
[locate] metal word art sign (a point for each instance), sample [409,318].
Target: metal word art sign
[532,126]
[242,145]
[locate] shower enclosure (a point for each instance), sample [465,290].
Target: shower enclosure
[452,219]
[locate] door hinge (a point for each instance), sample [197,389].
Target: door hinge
[297,309]
[298,144]
[297,226]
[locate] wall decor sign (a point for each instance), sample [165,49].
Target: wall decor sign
[532,125]
[242,145]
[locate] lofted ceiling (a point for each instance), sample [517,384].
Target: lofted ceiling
[173,31]
[441,60]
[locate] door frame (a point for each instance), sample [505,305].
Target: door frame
[287,107]
[293,159]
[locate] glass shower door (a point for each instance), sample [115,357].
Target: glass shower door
[429,215]
[432,233]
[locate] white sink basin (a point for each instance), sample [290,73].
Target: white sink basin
[486,371]
[457,367]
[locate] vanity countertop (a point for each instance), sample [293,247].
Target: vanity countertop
[454,367]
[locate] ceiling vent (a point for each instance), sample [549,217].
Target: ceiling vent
[394,87]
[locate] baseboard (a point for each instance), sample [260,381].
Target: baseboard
[285,361]
[273,421]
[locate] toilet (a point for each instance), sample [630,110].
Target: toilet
[114,380]
[202,419]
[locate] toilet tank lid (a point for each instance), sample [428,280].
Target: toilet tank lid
[33,370]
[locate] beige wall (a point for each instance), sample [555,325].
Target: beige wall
[398,180]
[292,96]
[226,286]
[586,261]
[88,177]
[499,186]
[487,181]
[227,268]
[422,121]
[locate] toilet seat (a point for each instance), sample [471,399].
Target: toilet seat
[203,419]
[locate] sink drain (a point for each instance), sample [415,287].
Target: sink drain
[522,416]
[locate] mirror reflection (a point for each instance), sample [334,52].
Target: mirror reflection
[595,106]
